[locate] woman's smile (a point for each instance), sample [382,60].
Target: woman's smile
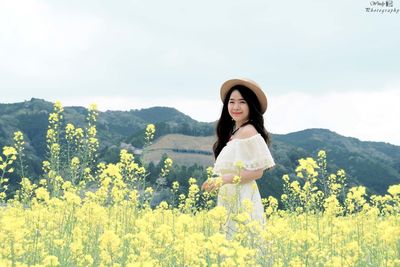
[238,107]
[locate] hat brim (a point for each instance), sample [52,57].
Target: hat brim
[253,86]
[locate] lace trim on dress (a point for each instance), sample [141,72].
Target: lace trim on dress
[251,166]
[252,152]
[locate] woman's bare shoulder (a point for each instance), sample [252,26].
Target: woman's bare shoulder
[246,132]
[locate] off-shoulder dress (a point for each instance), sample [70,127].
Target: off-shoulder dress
[251,154]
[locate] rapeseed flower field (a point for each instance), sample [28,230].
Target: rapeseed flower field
[85,213]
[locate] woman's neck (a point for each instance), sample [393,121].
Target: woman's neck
[239,124]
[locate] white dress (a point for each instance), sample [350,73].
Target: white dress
[251,154]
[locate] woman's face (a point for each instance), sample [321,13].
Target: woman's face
[238,107]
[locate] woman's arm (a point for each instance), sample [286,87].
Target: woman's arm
[245,177]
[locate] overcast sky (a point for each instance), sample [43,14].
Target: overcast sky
[323,64]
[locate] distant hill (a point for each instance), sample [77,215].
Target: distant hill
[373,164]
[114,127]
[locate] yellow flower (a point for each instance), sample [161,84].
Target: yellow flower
[70,131]
[296,186]
[355,198]
[150,128]
[210,171]
[149,134]
[55,149]
[285,178]
[67,185]
[19,141]
[239,164]
[92,131]
[72,198]
[299,209]
[193,189]
[273,201]
[269,211]
[218,213]
[309,165]
[109,245]
[332,206]
[93,141]
[92,107]
[167,167]
[218,181]
[321,154]
[242,217]
[51,261]
[53,117]
[175,185]
[75,162]
[79,133]
[394,190]
[9,151]
[149,190]
[42,194]
[192,180]
[168,162]
[341,172]
[247,205]
[125,157]
[88,260]
[236,179]
[18,136]
[58,106]
[163,205]
[46,166]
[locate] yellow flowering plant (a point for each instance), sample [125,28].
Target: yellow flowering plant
[10,155]
[162,179]
[19,147]
[313,188]
[114,223]
[149,134]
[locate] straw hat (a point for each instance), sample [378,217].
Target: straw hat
[226,86]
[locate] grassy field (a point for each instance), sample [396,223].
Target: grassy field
[168,143]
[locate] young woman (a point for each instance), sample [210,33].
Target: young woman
[241,150]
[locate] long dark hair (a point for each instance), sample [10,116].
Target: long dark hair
[225,123]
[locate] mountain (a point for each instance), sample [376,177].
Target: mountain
[373,164]
[114,127]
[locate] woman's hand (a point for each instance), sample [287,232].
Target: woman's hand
[210,185]
[213,184]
